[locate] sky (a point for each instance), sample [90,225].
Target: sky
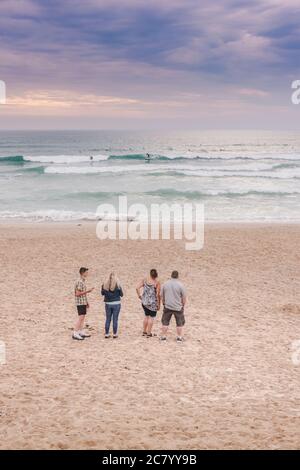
[138,64]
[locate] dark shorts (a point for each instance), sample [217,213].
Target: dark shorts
[81,309]
[149,313]
[167,315]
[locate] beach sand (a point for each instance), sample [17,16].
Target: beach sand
[232,384]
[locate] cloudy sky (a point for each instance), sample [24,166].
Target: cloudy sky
[149,63]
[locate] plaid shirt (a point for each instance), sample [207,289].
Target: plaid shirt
[81,287]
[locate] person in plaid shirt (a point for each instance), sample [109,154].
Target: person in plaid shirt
[82,304]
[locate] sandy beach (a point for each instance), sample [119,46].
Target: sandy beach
[231,385]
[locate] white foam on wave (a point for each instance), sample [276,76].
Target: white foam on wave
[61,216]
[228,155]
[261,170]
[211,156]
[150,168]
[110,169]
[51,215]
[214,214]
[276,174]
[63,159]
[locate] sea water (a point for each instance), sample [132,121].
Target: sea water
[239,176]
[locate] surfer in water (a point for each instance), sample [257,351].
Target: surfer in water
[148,157]
[91,159]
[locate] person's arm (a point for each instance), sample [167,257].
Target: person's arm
[79,293]
[162,295]
[183,297]
[102,290]
[158,294]
[121,291]
[138,289]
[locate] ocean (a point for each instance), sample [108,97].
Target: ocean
[238,176]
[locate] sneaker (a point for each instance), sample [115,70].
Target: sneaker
[163,338]
[107,336]
[179,339]
[115,336]
[84,334]
[77,336]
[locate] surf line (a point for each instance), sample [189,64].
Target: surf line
[114,460]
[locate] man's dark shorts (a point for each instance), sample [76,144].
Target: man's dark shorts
[81,309]
[167,315]
[149,313]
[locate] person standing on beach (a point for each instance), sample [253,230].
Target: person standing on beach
[150,298]
[82,304]
[173,295]
[112,292]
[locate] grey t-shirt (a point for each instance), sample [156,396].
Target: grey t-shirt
[172,293]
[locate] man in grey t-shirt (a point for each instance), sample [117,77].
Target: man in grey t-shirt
[173,296]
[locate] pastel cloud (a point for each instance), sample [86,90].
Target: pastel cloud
[253,92]
[142,52]
[64,99]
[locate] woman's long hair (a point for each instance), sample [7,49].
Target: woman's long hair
[112,282]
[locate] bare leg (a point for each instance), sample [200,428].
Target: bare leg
[150,325]
[145,325]
[82,322]
[164,330]
[79,324]
[179,331]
